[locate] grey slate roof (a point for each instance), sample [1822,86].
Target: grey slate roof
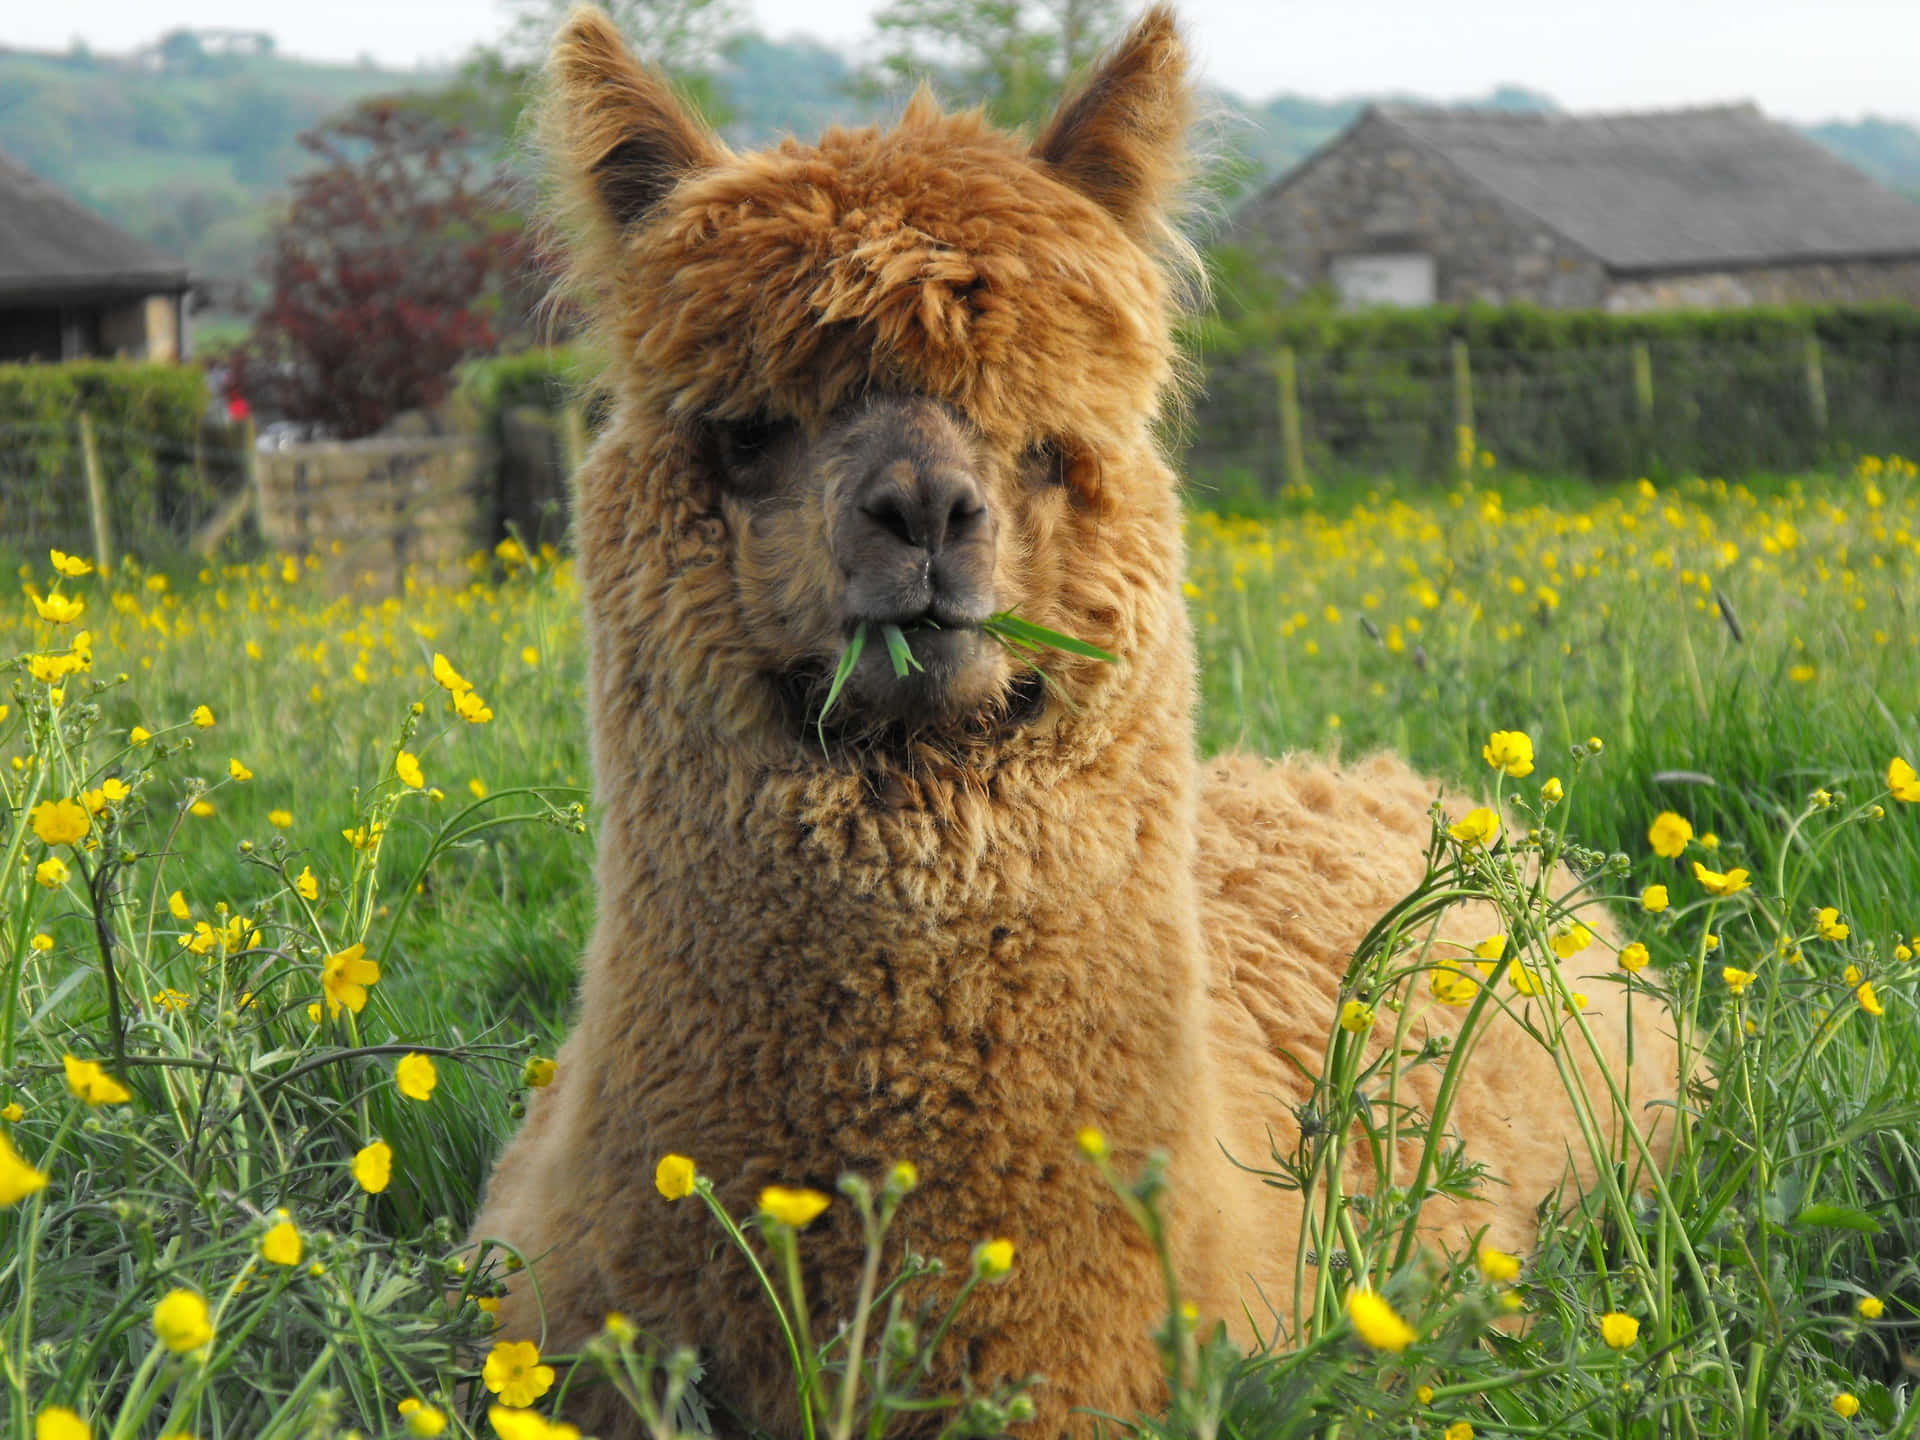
[54,248]
[1674,189]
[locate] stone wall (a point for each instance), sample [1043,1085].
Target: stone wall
[1375,192]
[1850,282]
[385,507]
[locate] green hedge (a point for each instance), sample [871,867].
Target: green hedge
[1555,391]
[161,475]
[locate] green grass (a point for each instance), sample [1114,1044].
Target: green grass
[1736,654]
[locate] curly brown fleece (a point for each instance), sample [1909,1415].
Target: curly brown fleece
[960,950]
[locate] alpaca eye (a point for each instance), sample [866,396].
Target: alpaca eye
[1046,462]
[742,448]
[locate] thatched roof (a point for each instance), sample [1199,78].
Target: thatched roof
[53,248]
[1682,189]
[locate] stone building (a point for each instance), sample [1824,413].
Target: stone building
[73,284]
[1715,207]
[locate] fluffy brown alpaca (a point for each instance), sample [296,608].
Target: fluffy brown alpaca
[909,376]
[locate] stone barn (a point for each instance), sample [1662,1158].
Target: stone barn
[1715,208]
[74,285]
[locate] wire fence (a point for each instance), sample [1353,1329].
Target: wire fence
[1657,407]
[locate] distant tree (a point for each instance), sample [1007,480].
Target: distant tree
[1018,56]
[387,270]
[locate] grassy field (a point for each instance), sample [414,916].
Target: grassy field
[1745,659]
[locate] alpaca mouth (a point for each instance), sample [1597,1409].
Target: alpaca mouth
[954,689]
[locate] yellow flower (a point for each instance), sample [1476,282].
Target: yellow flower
[991,1261]
[1634,957]
[1714,882]
[525,1425]
[364,837]
[1619,1330]
[1511,751]
[1871,1307]
[42,942]
[796,1207]
[177,906]
[373,1166]
[510,551]
[280,819]
[447,677]
[182,1322]
[12,1113]
[416,1076]
[1669,835]
[60,609]
[57,1422]
[1846,1405]
[1091,1143]
[1459,1430]
[1375,1321]
[513,1372]
[1450,984]
[1709,840]
[1553,792]
[1489,951]
[1654,899]
[201,808]
[477,788]
[1827,922]
[139,736]
[1863,992]
[1570,940]
[904,1176]
[1903,781]
[305,886]
[170,999]
[1709,942]
[529,656]
[538,1072]
[203,717]
[60,822]
[239,772]
[345,977]
[471,708]
[421,1419]
[90,1083]
[1356,1017]
[18,1179]
[202,940]
[71,566]
[1525,981]
[407,766]
[1737,980]
[51,872]
[52,669]
[1424,1394]
[1498,1266]
[673,1177]
[1476,827]
[281,1245]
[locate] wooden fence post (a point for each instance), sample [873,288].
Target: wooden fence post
[1465,439]
[1816,386]
[1292,452]
[96,496]
[1643,384]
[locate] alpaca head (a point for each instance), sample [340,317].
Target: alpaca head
[897,378]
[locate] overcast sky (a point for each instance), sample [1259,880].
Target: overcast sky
[1800,59]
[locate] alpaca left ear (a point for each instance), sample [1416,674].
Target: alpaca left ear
[1121,140]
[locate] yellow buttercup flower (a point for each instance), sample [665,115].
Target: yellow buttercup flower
[1714,882]
[172,1000]
[1569,940]
[416,1076]
[90,1083]
[139,736]
[1669,835]
[57,1422]
[1476,827]
[673,1177]
[60,609]
[177,906]
[1871,1307]
[1553,792]
[1489,952]
[513,1372]
[471,708]
[1458,1430]
[280,819]
[1450,984]
[18,1179]
[538,1072]
[993,1260]
[511,1424]
[1827,922]
[1903,781]
[1737,980]
[1356,1017]
[1376,1322]
[1654,899]
[448,678]
[201,809]
[60,822]
[282,1245]
[71,566]
[1510,751]
[240,773]
[344,978]
[1846,1405]
[407,766]
[42,942]
[1498,1266]
[795,1207]
[203,717]
[1634,957]
[1091,1143]
[373,1166]
[1619,1330]
[422,1419]
[305,885]
[182,1322]
[477,788]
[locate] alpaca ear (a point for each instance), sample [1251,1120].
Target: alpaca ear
[1121,140]
[616,128]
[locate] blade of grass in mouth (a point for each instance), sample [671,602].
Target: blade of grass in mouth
[849,658]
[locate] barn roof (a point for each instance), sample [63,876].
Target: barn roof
[1673,189]
[54,248]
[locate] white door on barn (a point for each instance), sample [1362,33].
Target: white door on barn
[1402,279]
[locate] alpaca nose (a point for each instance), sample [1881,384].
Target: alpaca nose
[921,507]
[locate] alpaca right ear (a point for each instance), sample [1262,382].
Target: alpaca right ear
[615,127]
